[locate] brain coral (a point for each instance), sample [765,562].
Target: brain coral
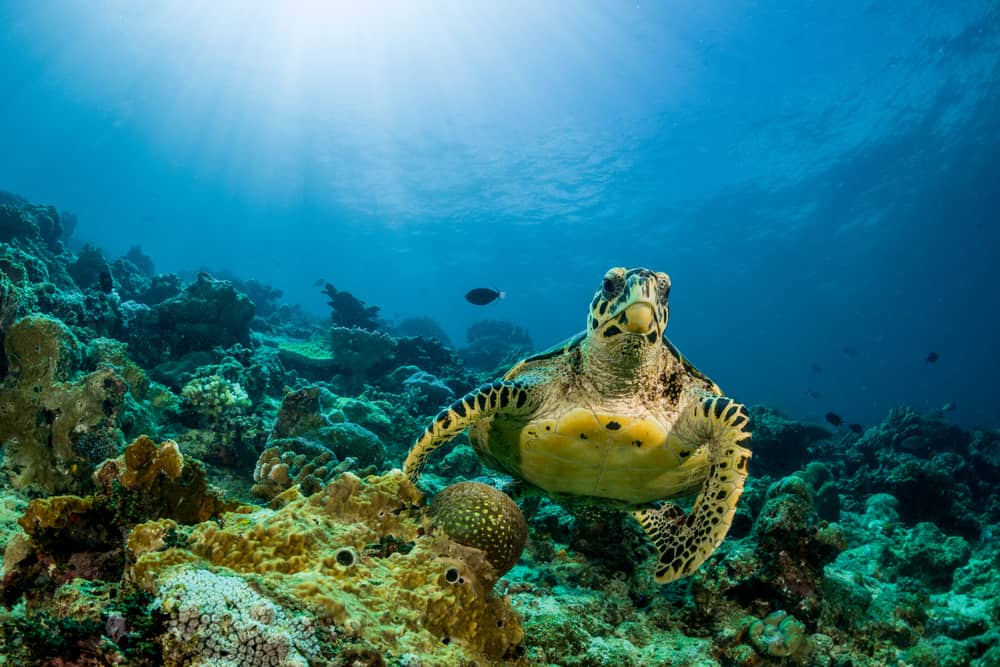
[360,555]
[479,516]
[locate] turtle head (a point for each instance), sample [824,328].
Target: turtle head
[630,308]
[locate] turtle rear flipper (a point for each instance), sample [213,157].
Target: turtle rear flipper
[481,403]
[683,542]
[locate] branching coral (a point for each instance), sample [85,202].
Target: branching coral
[350,311]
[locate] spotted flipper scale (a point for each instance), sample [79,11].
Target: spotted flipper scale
[684,541]
[486,401]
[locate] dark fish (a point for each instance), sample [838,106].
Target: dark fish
[812,393]
[834,418]
[483,295]
[107,284]
[932,357]
[850,351]
[856,428]
[319,282]
[815,368]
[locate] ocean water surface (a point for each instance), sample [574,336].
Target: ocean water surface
[813,176]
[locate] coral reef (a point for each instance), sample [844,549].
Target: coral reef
[851,548]
[209,313]
[494,343]
[214,396]
[358,555]
[67,537]
[422,326]
[350,312]
[55,422]
[781,445]
[309,414]
[90,268]
[359,352]
[294,461]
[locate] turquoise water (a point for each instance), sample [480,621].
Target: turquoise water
[814,176]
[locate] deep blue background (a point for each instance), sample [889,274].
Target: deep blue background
[812,175]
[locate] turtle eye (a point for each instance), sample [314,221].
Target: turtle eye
[612,284]
[664,288]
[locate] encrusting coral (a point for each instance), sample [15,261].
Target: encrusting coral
[362,555]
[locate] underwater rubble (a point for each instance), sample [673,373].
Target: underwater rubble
[195,473]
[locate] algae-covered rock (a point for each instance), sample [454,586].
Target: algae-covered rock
[927,554]
[41,350]
[310,414]
[795,544]
[209,313]
[55,425]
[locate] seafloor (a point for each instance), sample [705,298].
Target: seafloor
[195,473]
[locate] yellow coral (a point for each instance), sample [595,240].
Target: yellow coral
[53,513]
[363,555]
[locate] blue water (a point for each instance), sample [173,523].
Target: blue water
[814,176]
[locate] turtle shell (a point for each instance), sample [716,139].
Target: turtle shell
[581,442]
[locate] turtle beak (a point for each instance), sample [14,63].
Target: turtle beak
[639,318]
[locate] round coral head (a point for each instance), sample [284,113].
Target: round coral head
[479,516]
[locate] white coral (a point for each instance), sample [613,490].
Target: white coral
[221,621]
[214,396]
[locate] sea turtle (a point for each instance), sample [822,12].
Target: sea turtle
[614,416]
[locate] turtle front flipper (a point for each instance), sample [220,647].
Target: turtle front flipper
[478,404]
[685,541]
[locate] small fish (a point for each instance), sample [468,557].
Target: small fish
[834,418]
[812,393]
[932,357]
[319,282]
[483,295]
[948,407]
[850,351]
[107,284]
[815,368]
[856,428]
